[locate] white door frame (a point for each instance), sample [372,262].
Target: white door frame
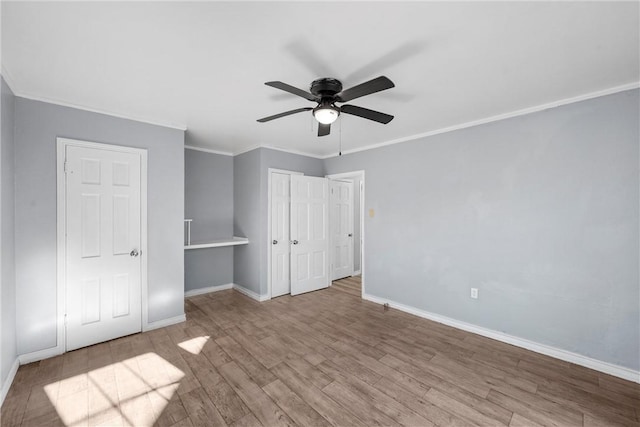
[357,174]
[61,145]
[332,217]
[269,245]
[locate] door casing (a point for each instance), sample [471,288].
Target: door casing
[61,145]
[361,175]
[336,217]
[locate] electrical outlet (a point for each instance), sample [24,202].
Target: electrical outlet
[474,293]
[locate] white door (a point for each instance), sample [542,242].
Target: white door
[309,234]
[341,225]
[103,268]
[280,247]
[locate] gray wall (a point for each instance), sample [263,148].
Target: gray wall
[246,219]
[8,350]
[250,209]
[36,128]
[209,202]
[540,212]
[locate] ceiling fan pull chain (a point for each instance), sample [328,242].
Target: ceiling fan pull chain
[340,138]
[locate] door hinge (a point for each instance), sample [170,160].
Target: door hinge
[65,319]
[65,166]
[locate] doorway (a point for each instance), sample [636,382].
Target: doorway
[101,242]
[341,220]
[358,229]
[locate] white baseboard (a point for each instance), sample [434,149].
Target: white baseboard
[164,322]
[357,273]
[6,385]
[250,293]
[241,289]
[567,356]
[36,356]
[208,289]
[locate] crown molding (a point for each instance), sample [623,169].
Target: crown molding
[272,147]
[208,150]
[298,152]
[7,78]
[517,113]
[246,150]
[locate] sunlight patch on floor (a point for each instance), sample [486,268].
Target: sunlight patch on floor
[194,345]
[134,391]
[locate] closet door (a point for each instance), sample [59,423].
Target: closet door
[280,245]
[309,234]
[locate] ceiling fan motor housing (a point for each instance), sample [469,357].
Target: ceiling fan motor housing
[326,87]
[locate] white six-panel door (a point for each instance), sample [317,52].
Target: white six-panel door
[341,220]
[309,234]
[280,246]
[103,224]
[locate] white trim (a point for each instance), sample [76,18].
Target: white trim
[343,175]
[36,356]
[8,79]
[246,150]
[516,113]
[61,145]
[208,290]
[61,246]
[284,150]
[208,150]
[357,272]
[99,111]
[496,118]
[250,293]
[218,243]
[292,151]
[521,112]
[269,238]
[567,356]
[360,174]
[9,380]
[150,326]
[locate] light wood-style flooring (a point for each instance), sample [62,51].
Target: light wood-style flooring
[319,359]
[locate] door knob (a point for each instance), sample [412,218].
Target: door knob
[134,253]
[350,234]
[295,242]
[275,242]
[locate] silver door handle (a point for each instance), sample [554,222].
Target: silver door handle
[275,242]
[134,253]
[295,242]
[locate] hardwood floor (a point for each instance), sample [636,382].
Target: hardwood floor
[319,359]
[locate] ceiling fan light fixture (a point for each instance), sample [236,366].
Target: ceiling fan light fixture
[326,114]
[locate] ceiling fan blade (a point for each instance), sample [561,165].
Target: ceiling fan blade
[286,113]
[365,113]
[294,90]
[366,88]
[323,130]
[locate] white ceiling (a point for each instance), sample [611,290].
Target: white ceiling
[202,65]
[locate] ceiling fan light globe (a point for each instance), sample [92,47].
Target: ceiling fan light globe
[326,115]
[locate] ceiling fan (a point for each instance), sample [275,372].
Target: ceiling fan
[326,92]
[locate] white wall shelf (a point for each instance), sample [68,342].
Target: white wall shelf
[217,243]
